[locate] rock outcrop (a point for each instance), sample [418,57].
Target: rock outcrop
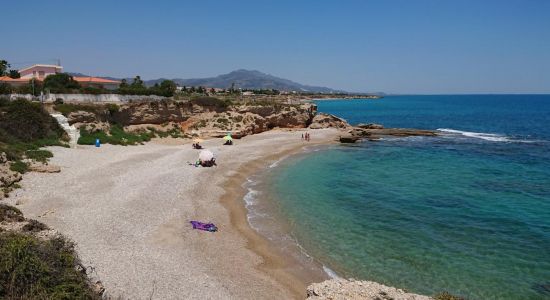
[206,119]
[323,120]
[370,126]
[43,168]
[376,133]
[342,289]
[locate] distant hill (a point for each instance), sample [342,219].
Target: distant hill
[250,79]
[244,79]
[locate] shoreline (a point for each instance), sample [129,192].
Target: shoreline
[276,264]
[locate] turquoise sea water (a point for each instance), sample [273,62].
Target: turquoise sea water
[467,212]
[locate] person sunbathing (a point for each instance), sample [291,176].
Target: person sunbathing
[208,163]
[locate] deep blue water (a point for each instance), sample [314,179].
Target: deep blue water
[467,212]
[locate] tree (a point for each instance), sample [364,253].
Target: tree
[14,74]
[4,66]
[138,83]
[61,83]
[123,84]
[167,88]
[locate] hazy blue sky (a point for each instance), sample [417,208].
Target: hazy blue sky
[436,46]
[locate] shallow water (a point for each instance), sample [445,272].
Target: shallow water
[467,212]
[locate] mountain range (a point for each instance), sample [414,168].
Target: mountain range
[244,79]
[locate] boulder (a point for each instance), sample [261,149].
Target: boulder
[323,120]
[43,168]
[349,139]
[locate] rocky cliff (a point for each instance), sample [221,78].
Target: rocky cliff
[202,118]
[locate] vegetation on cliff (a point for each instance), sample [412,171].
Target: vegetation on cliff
[116,136]
[24,128]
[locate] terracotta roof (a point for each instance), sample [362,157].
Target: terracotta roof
[9,79]
[94,80]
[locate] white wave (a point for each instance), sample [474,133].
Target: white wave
[480,135]
[276,163]
[330,273]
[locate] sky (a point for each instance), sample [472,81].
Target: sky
[403,47]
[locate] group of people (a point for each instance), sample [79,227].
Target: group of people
[197,146]
[305,137]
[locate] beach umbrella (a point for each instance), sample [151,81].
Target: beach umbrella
[227,138]
[197,140]
[206,155]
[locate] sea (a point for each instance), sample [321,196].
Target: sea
[467,212]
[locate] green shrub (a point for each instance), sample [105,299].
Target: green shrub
[112,108]
[67,108]
[31,268]
[39,155]
[209,101]
[27,121]
[116,136]
[19,166]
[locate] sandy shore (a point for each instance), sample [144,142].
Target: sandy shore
[128,210]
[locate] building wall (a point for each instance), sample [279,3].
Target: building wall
[39,72]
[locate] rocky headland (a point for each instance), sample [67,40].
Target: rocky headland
[342,289]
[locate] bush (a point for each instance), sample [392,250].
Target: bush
[10,213]
[210,101]
[112,108]
[67,108]
[34,226]
[24,127]
[27,121]
[116,136]
[19,167]
[31,268]
[39,155]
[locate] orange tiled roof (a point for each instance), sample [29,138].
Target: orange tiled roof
[94,80]
[9,79]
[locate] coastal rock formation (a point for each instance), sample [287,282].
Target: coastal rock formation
[349,139]
[375,133]
[81,117]
[342,289]
[323,120]
[207,118]
[370,126]
[154,112]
